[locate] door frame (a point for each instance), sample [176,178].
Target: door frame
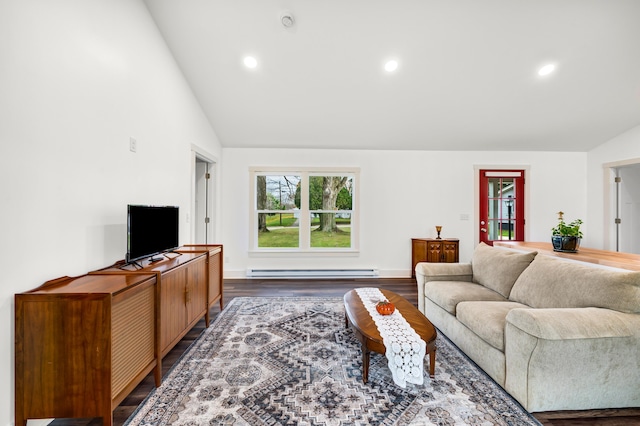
[610,171]
[200,155]
[476,195]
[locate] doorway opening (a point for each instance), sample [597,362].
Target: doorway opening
[624,206]
[203,196]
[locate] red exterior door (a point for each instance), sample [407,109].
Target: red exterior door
[501,206]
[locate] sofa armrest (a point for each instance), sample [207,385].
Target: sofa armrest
[572,359]
[426,271]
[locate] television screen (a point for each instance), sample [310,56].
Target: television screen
[151,230]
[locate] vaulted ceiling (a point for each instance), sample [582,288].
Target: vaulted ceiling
[467,75]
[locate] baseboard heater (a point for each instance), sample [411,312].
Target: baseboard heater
[312,273]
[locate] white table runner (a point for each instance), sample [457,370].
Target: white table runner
[405,348]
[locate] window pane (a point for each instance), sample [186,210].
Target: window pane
[330,230]
[330,192]
[281,230]
[330,204]
[277,192]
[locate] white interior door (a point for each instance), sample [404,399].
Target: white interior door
[203,199]
[629,208]
[201,202]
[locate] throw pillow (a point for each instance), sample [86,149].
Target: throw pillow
[557,283]
[498,269]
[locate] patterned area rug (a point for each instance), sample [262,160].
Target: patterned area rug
[291,361]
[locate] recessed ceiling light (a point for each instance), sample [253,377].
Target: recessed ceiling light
[250,62]
[391,66]
[547,69]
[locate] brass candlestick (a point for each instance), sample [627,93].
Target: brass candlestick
[438,229]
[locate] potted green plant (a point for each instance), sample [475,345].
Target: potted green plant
[565,237]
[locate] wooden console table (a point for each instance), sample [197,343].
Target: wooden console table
[612,259]
[82,344]
[445,250]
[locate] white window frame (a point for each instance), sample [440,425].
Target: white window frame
[304,247]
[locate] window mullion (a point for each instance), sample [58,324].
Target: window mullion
[305,216]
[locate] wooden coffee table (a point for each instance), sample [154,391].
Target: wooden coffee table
[366,331]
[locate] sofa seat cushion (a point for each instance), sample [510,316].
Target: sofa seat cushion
[555,283]
[487,319]
[447,294]
[575,323]
[497,268]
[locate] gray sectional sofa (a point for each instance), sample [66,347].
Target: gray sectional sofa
[555,334]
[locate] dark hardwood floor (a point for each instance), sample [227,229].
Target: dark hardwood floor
[328,288]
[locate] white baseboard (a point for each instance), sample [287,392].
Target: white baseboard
[386,273]
[312,273]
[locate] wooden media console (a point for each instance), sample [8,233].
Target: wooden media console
[82,344]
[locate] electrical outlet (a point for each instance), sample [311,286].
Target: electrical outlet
[133,145]
[464,216]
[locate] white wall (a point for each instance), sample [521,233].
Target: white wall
[621,149]
[77,79]
[418,189]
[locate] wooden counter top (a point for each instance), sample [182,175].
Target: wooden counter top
[601,257]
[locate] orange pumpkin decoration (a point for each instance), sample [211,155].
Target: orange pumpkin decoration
[384,307]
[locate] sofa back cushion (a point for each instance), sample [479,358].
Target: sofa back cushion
[497,268]
[554,283]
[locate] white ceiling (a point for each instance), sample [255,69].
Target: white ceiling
[467,76]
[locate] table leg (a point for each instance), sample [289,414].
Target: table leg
[365,363]
[432,363]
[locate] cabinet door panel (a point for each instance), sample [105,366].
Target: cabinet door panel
[173,319]
[450,252]
[434,252]
[68,349]
[418,254]
[196,292]
[133,337]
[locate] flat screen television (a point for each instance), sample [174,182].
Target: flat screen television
[151,230]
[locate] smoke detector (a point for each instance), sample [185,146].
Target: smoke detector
[286,19]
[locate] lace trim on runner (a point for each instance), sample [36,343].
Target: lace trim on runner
[405,349]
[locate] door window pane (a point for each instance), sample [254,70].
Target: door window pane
[501,203]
